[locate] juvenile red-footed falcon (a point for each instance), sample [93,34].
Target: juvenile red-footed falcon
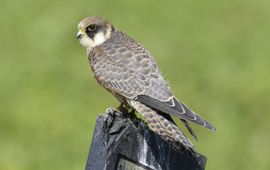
[128,70]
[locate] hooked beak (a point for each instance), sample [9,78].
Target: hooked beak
[80,34]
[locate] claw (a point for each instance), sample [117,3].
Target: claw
[110,110]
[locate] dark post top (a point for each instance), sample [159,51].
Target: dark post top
[124,143]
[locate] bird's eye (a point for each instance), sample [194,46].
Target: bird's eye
[91,28]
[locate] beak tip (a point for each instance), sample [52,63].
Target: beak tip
[78,36]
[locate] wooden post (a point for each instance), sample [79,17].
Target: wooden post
[120,143]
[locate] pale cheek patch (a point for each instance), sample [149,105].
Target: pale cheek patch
[99,38]
[86,42]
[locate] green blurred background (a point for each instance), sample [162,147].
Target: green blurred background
[215,55]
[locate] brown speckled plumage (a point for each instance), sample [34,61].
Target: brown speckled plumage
[128,70]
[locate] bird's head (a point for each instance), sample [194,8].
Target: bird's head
[94,31]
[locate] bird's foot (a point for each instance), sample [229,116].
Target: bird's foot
[120,112]
[110,110]
[132,114]
[122,108]
[110,115]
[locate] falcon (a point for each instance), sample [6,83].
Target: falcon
[127,70]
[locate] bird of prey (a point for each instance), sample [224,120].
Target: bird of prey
[127,70]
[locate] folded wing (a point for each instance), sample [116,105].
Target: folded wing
[175,108]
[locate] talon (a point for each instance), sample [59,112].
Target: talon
[132,114]
[120,107]
[110,110]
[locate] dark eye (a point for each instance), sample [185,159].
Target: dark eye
[91,28]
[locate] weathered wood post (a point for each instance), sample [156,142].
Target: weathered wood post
[120,143]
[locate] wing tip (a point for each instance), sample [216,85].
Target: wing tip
[209,126]
[198,119]
[213,129]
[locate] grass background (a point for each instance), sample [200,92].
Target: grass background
[215,55]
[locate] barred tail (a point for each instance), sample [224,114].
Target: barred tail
[166,129]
